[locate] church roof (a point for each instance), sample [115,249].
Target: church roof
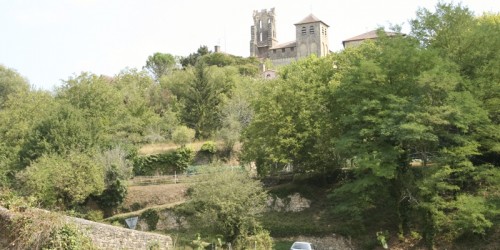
[368,35]
[311,19]
[285,45]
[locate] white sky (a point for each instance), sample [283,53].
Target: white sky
[50,40]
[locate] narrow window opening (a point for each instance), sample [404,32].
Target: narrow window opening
[304,30]
[311,29]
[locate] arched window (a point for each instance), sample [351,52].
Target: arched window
[311,29]
[260,36]
[260,24]
[304,30]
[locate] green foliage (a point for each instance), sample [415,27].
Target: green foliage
[204,98]
[36,229]
[20,115]
[183,135]
[146,114]
[209,147]
[63,131]
[198,243]
[260,240]
[193,58]
[151,216]
[199,94]
[228,203]
[287,224]
[113,195]
[382,238]
[219,59]
[68,237]
[237,112]
[289,125]
[118,169]
[160,64]
[63,182]
[166,163]
[154,245]
[11,82]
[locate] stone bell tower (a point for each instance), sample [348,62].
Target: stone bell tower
[263,33]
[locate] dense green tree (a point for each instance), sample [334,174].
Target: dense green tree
[21,113]
[63,181]
[100,104]
[237,112]
[400,104]
[143,118]
[64,130]
[228,202]
[11,82]
[289,123]
[117,170]
[183,135]
[202,92]
[160,64]
[219,59]
[192,59]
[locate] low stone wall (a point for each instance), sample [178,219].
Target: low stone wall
[110,237]
[103,236]
[291,203]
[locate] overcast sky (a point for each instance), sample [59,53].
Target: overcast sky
[48,41]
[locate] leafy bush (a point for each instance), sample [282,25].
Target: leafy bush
[166,163]
[228,203]
[209,147]
[36,229]
[59,181]
[183,135]
[151,217]
[68,237]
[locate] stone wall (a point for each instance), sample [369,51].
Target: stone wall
[291,203]
[110,237]
[103,236]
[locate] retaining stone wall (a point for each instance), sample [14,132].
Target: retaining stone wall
[106,236]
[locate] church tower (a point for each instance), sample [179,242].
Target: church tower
[312,37]
[263,33]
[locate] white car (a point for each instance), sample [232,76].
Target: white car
[298,245]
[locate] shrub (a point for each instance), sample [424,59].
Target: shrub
[37,229]
[151,217]
[183,135]
[65,182]
[209,147]
[68,237]
[165,163]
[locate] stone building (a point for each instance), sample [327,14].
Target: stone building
[371,35]
[311,38]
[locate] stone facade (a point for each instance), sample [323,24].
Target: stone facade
[263,33]
[311,38]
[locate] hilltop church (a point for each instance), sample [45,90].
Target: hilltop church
[311,38]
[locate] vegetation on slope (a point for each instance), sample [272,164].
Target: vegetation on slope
[412,120]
